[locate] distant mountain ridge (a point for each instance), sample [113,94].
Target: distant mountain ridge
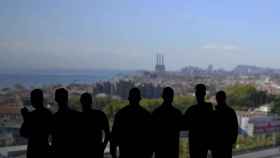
[238,70]
[248,69]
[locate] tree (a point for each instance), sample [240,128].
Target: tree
[241,95]
[151,104]
[276,106]
[101,102]
[74,102]
[183,102]
[247,96]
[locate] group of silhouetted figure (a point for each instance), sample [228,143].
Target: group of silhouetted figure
[136,133]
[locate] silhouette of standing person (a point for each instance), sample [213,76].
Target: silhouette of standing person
[95,129]
[65,127]
[37,126]
[226,128]
[167,125]
[131,131]
[197,120]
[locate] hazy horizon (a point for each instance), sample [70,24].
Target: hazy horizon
[89,71]
[126,35]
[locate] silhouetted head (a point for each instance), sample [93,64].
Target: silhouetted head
[134,96]
[61,97]
[37,98]
[221,98]
[86,101]
[200,92]
[167,95]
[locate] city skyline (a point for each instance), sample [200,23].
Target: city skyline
[107,34]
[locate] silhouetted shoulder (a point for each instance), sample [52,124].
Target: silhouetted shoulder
[68,112]
[191,108]
[46,112]
[226,110]
[99,113]
[177,111]
[99,118]
[144,111]
[231,110]
[122,111]
[163,110]
[207,106]
[157,111]
[130,110]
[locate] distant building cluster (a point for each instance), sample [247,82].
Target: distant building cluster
[10,118]
[120,88]
[152,82]
[258,121]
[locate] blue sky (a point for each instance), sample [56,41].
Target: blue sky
[126,34]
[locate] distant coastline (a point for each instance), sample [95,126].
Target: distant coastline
[45,78]
[38,78]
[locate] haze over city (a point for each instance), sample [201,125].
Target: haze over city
[109,34]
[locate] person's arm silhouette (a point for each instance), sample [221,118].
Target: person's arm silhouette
[24,130]
[114,137]
[106,132]
[235,128]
